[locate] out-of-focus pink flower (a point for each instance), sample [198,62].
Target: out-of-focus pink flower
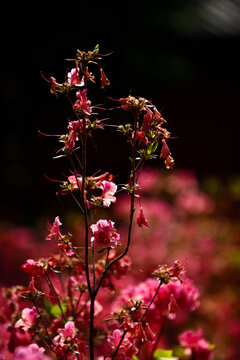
[28,319]
[32,267]
[108,190]
[196,344]
[55,233]
[194,202]
[141,220]
[82,105]
[30,352]
[104,234]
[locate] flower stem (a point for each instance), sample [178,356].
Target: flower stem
[43,322]
[51,287]
[145,312]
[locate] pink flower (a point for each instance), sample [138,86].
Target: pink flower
[55,233]
[75,182]
[73,77]
[28,318]
[83,104]
[74,127]
[196,344]
[32,267]
[104,234]
[141,220]
[68,332]
[30,352]
[109,189]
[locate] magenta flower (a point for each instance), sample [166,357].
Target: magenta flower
[141,220]
[75,182]
[104,234]
[28,318]
[83,105]
[68,332]
[73,77]
[55,233]
[196,344]
[74,127]
[109,189]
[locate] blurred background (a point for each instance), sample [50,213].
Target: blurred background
[182,55]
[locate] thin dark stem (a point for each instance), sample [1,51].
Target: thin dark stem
[43,322]
[119,344]
[76,254]
[51,287]
[93,265]
[132,194]
[145,312]
[76,305]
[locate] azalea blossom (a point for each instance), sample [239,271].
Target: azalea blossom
[108,190]
[68,332]
[141,220]
[28,319]
[82,104]
[104,234]
[75,181]
[196,344]
[73,77]
[55,233]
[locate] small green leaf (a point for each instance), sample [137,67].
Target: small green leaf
[160,354]
[135,357]
[56,311]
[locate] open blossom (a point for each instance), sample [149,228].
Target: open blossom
[68,332]
[28,319]
[75,182]
[83,104]
[141,220]
[74,127]
[104,234]
[73,77]
[108,190]
[55,233]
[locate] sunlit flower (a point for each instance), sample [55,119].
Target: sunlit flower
[141,220]
[55,233]
[104,234]
[108,191]
[28,319]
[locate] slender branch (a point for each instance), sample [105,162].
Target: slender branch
[43,322]
[145,312]
[132,194]
[119,344]
[50,284]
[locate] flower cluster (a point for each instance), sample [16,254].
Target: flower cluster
[80,303]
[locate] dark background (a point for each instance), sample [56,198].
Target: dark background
[182,55]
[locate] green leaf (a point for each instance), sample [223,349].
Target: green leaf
[56,311]
[161,354]
[96,50]
[135,357]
